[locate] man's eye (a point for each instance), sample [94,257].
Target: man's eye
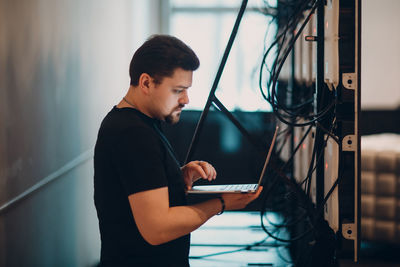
[177,91]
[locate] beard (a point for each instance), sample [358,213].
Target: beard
[174,116]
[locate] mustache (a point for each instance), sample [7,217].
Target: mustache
[180,106]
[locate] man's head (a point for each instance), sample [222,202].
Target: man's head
[162,70]
[159,56]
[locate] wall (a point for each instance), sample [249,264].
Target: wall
[380,57]
[63,64]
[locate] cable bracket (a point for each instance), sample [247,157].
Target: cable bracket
[349,143]
[349,80]
[349,231]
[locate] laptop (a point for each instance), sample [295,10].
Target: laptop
[235,188]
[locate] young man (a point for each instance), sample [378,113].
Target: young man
[139,185]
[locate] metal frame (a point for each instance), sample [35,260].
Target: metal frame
[212,99]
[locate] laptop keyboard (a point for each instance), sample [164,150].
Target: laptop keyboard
[239,187]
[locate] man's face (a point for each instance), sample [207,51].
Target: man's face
[170,96]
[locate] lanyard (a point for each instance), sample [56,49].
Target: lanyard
[167,144]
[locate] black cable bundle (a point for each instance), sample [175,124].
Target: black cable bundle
[297,207]
[283,44]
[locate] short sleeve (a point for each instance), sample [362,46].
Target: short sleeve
[139,158]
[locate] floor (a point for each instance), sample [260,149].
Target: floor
[236,239]
[376,255]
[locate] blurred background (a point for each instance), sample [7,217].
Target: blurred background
[64,64]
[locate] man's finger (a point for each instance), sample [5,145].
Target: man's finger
[200,171]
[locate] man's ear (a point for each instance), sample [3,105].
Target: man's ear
[145,81]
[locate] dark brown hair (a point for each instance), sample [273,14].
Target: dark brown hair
[159,56]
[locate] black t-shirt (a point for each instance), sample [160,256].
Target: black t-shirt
[132,155]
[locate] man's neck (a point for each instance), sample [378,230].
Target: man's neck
[133,100]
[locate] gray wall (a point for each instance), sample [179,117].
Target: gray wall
[380,55]
[63,64]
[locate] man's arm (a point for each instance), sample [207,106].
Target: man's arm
[158,223]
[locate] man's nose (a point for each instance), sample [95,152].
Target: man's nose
[184,100]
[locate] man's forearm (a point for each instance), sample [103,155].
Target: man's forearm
[182,220]
[158,223]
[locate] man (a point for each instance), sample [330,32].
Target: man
[139,185]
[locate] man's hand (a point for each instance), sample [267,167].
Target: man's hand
[234,201]
[195,170]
